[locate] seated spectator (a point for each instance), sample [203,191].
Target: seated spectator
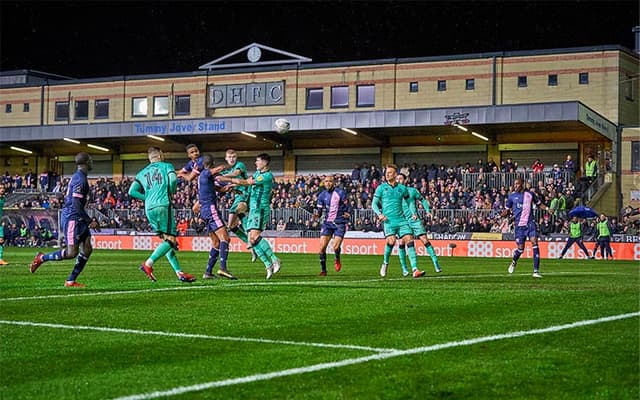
[281,225]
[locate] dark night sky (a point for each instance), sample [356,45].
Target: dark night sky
[100,39]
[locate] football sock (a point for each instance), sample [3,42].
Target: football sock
[173,260]
[402,254]
[224,252]
[517,254]
[241,234]
[213,258]
[55,256]
[338,251]
[257,247]
[432,254]
[536,258]
[323,262]
[264,246]
[413,257]
[160,251]
[387,252]
[81,261]
[1,251]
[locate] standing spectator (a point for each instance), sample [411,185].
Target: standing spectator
[590,169]
[156,194]
[521,203]
[537,166]
[355,174]
[75,222]
[569,165]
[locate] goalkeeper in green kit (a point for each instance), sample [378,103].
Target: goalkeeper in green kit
[387,204]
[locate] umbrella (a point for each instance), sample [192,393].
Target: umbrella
[583,212]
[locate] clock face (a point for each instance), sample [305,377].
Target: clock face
[254,53]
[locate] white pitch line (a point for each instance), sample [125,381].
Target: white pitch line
[375,357]
[194,336]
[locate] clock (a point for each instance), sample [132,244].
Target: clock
[254,53]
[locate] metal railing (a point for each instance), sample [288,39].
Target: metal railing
[490,180]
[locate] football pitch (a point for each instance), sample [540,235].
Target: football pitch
[471,332]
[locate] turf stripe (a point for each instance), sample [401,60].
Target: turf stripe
[319,282]
[192,335]
[381,356]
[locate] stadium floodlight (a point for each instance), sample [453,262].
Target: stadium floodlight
[154,137]
[66,139]
[21,150]
[486,139]
[95,146]
[460,127]
[251,135]
[354,133]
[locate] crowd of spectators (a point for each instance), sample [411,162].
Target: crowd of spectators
[441,185]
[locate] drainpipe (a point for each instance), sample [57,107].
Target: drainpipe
[494,83]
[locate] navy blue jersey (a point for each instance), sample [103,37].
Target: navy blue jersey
[193,166]
[76,197]
[207,194]
[335,202]
[521,204]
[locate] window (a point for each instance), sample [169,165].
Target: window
[442,86]
[583,78]
[139,106]
[62,111]
[161,105]
[7,108]
[470,84]
[413,87]
[366,95]
[635,156]
[81,110]
[102,109]
[183,105]
[25,107]
[339,96]
[522,81]
[553,80]
[314,99]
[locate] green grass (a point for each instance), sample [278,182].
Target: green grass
[473,298]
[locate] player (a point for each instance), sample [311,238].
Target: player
[239,208]
[575,236]
[192,168]
[387,204]
[521,203]
[334,200]
[155,184]
[207,207]
[2,198]
[260,185]
[416,226]
[75,224]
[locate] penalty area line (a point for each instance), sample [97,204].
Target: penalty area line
[193,336]
[375,357]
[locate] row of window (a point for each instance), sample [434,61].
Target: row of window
[470,84]
[365,97]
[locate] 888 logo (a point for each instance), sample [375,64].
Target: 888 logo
[479,249]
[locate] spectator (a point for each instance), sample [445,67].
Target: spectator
[569,165]
[537,166]
[590,169]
